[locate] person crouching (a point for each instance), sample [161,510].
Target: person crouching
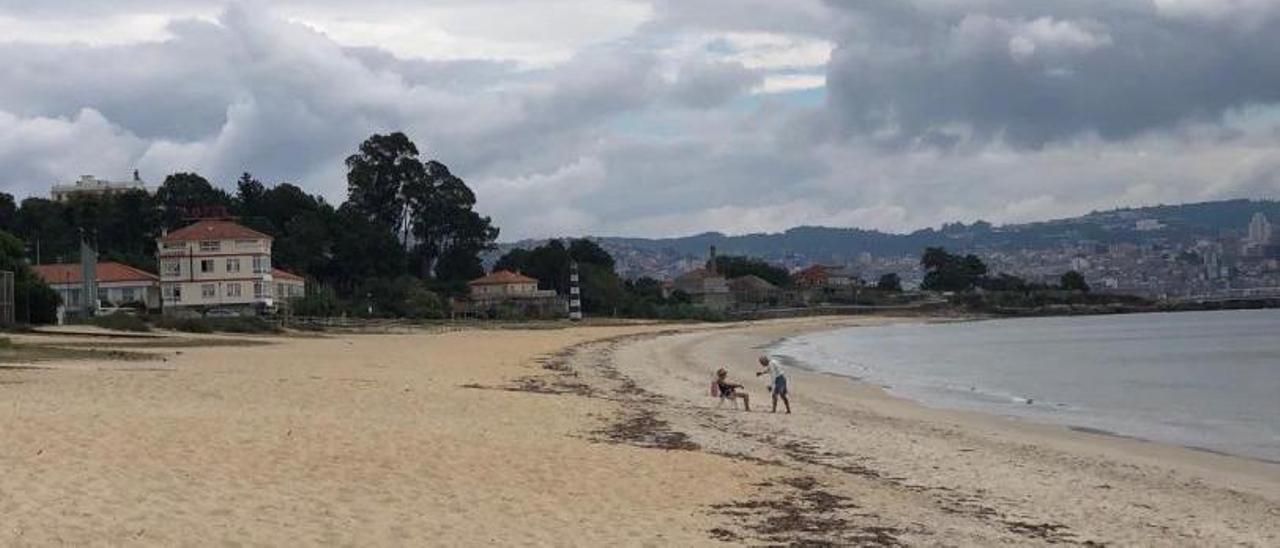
[730,390]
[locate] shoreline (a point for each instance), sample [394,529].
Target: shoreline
[928,439]
[888,391]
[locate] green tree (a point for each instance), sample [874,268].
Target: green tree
[184,195]
[380,175]
[49,225]
[947,272]
[1074,281]
[34,300]
[734,267]
[445,224]
[549,264]
[1006,282]
[514,260]
[362,250]
[585,251]
[8,212]
[889,282]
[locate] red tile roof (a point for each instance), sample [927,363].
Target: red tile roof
[214,230]
[698,274]
[106,271]
[278,274]
[504,277]
[813,276]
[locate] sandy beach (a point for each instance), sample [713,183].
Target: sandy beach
[591,435]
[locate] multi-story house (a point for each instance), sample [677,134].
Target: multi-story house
[216,264]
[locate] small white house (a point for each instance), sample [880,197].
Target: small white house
[118,284]
[506,285]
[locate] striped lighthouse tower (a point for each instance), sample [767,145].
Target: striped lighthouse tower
[575,293]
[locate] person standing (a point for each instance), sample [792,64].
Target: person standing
[778,384]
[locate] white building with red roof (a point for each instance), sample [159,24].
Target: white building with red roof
[505,289]
[288,285]
[118,284]
[505,284]
[220,264]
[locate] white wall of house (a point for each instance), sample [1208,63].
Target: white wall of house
[290,289]
[495,291]
[113,292]
[214,273]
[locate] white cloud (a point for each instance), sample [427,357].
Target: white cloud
[1046,33]
[783,83]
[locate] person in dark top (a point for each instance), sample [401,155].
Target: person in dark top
[729,390]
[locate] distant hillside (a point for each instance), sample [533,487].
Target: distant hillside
[803,245]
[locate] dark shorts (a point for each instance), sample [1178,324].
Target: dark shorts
[780,385]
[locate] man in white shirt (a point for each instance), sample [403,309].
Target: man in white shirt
[778,384]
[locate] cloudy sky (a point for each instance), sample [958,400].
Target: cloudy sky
[665,117]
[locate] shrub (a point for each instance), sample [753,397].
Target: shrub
[120,322]
[243,324]
[186,325]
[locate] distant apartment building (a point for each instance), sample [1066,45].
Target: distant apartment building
[1260,230]
[1260,238]
[88,185]
[221,264]
[117,285]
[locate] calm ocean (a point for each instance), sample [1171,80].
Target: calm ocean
[1201,379]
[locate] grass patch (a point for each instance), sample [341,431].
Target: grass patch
[34,353]
[159,343]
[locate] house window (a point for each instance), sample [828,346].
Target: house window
[233,290]
[260,290]
[75,298]
[208,291]
[206,266]
[172,246]
[211,246]
[128,294]
[233,265]
[172,292]
[171,268]
[261,265]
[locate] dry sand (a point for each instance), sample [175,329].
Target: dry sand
[584,436]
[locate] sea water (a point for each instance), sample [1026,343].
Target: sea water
[1208,380]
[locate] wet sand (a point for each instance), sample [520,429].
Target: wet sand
[580,436]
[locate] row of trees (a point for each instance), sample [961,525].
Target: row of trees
[947,272]
[604,292]
[407,233]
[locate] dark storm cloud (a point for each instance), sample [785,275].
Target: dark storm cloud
[1032,72]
